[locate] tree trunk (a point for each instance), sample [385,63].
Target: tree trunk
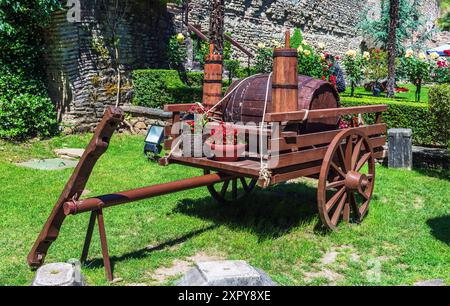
[216,24]
[391,46]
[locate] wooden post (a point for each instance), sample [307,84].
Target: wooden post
[212,85]
[285,79]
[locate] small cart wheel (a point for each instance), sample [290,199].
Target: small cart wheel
[231,190]
[347,179]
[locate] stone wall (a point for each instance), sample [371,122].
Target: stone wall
[81,65]
[328,21]
[251,22]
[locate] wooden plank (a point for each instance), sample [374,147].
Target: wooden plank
[295,158]
[283,177]
[246,167]
[178,107]
[310,155]
[308,140]
[324,113]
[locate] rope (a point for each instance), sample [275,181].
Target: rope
[264,172]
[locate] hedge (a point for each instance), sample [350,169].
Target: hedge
[416,116]
[155,88]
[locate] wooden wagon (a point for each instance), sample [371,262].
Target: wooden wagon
[298,121]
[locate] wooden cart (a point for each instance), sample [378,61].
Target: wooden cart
[343,160]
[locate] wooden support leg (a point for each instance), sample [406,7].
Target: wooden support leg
[106,259]
[87,241]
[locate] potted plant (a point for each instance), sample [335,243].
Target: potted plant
[226,144]
[193,136]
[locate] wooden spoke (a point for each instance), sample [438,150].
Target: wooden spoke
[335,184]
[334,199]
[362,161]
[337,212]
[231,190]
[225,185]
[356,152]
[338,170]
[234,189]
[340,179]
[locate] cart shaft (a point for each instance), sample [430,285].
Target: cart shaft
[104,201]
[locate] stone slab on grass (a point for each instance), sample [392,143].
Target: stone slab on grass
[225,273]
[69,153]
[430,283]
[49,164]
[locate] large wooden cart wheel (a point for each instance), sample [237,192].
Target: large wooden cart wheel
[231,190]
[346,179]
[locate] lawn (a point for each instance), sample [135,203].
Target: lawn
[404,239]
[360,92]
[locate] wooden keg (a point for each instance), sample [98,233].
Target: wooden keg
[246,104]
[212,85]
[284,79]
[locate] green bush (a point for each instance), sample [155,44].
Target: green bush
[194,78]
[26,116]
[439,105]
[155,88]
[415,116]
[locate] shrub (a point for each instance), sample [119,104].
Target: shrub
[155,88]
[439,105]
[355,64]
[416,69]
[232,66]
[403,115]
[177,52]
[194,78]
[264,59]
[26,116]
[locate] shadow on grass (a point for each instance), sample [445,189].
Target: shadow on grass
[98,262]
[442,174]
[440,228]
[267,213]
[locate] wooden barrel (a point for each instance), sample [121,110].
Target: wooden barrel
[212,85]
[246,104]
[284,81]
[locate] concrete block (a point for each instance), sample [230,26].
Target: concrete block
[400,148]
[225,273]
[59,275]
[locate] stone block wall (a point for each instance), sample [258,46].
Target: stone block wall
[81,62]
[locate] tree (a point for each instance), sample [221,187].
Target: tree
[217,24]
[115,11]
[410,22]
[391,46]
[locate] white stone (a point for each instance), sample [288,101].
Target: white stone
[225,273]
[59,275]
[71,153]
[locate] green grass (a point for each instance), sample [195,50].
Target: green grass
[360,92]
[405,236]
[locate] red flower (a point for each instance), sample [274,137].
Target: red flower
[333,79]
[324,78]
[447,52]
[442,64]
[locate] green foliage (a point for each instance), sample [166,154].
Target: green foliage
[377,67]
[403,115]
[310,62]
[193,78]
[176,52]
[440,72]
[22,89]
[27,116]
[354,67]
[232,66]
[201,50]
[155,88]
[264,59]
[296,38]
[444,22]
[410,21]
[417,70]
[439,105]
